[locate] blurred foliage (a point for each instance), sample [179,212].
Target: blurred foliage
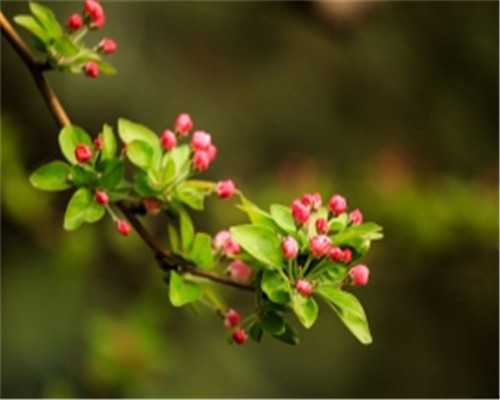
[394,105]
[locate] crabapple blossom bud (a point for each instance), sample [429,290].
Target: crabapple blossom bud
[212,152]
[82,153]
[96,13]
[225,189]
[359,275]
[322,226]
[183,124]
[152,205]
[221,238]
[290,248]
[240,336]
[200,141]
[303,287]
[320,245]
[92,69]
[346,256]
[231,318]
[74,22]
[201,160]
[98,143]
[356,217]
[168,140]
[312,200]
[101,197]
[122,227]
[337,204]
[232,247]
[336,254]
[300,212]
[239,271]
[107,45]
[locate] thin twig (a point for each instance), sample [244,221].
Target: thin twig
[166,259]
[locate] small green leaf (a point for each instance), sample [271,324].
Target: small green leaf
[187,230]
[109,143]
[173,237]
[141,154]
[31,24]
[65,46]
[180,156]
[182,292]
[190,194]
[275,286]
[70,137]
[255,214]
[339,223]
[255,331]
[46,18]
[52,176]
[260,242]
[95,212]
[81,176]
[112,173]
[105,67]
[273,323]
[349,310]
[358,236]
[143,185]
[282,215]
[305,309]
[167,173]
[76,212]
[130,131]
[290,335]
[201,251]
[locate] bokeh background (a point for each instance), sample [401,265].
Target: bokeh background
[392,104]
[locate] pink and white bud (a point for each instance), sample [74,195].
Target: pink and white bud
[201,160]
[312,200]
[300,212]
[107,45]
[98,143]
[320,245]
[201,141]
[239,271]
[322,226]
[231,318]
[152,205]
[183,124]
[359,275]
[220,239]
[336,254]
[225,189]
[240,337]
[82,153]
[91,69]
[290,248]
[122,227]
[101,197]
[231,247]
[74,22]
[96,13]
[303,287]
[346,256]
[356,217]
[212,152]
[168,140]
[337,204]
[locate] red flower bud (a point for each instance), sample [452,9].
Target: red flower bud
[107,45]
[201,141]
[201,160]
[322,226]
[74,22]
[224,242]
[300,212]
[101,197]
[303,287]
[312,200]
[225,189]
[336,254]
[231,318]
[290,248]
[96,13]
[346,256]
[98,143]
[82,153]
[92,69]
[240,336]
[320,245]
[359,275]
[337,204]
[183,124]
[122,227]
[356,217]
[153,206]
[212,152]
[168,140]
[239,271]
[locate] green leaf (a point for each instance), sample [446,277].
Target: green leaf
[52,176]
[260,242]
[282,215]
[95,212]
[339,223]
[109,143]
[358,236]
[191,194]
[112,173]
[173,237]
[289,336]
[65,46]
[31,24]
[81,208]
[273,323]
[46,18]
[305,308]
[182,292]
[167,173]
[201,251]
[349,310]
[255,214]
[70,137]
[105,67]
[141,154]
[130,131]
[187,230]
[143,185]
[180,156]
[255,331]
[81,176]
[275,286]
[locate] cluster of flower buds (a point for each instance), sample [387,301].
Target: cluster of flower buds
[232,319]
[224,244]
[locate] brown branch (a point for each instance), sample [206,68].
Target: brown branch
[166,259]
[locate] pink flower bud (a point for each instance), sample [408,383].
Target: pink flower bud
[240,336]
[300,212]
[359,275]
[346,256]
[107,45]
[312,200]
[201,141]
[201,160]
[225,189]
[320,245]
[122,227]
[322,226]
[232,247]
[212,152]
[337,204]
[303,287]
[356,217]
[220,239]
[290,248]
[168,140]
[101,197]
[231,318]
[82,153]
[239,271]
[92,69]
[183,124]
[74,22]
[96,13]
[336,254]
[98,143]
[152,205]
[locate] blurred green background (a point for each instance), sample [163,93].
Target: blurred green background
[392,104]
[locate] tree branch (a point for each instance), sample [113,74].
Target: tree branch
[166,259]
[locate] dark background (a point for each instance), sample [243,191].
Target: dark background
[392,104]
